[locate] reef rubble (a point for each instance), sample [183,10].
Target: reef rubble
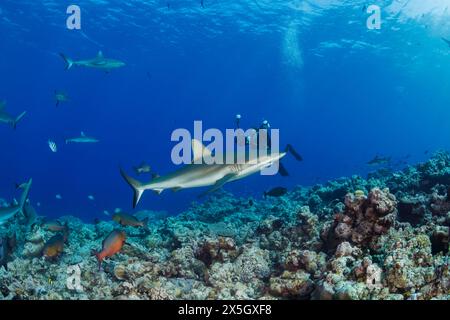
[384,237]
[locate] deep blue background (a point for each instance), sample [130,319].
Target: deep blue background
[339,109]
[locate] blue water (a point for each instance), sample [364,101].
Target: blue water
[338,92]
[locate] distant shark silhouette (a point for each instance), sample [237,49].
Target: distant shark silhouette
[82,139]
[99,62]
[7,118]
[446,41]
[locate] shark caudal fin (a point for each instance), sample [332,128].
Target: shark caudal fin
[67,60]
[17,120]
[135,185]
[24,196]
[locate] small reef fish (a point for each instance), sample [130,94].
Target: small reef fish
[142,168]
[83,138]
[7,118]
[58,196]
[99,62]
[52,146]
[112,244]
[91,197]
[106,212]
[55,226]
[61,96]
[202,174]
[54,247]
[128,220]
[9,212]
[276,192]
[377,160]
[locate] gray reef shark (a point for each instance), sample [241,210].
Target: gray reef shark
[99,62]
[82,139]
[7,118]
[9,212]
[201,175]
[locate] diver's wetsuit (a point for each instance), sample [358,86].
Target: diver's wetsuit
[266,126]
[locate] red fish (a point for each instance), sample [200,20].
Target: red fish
[112,244]
[54,247]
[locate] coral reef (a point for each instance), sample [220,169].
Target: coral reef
[384,237]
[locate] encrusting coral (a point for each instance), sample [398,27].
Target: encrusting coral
[384,237]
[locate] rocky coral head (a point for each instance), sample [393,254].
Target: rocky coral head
[383,201]
[363,220]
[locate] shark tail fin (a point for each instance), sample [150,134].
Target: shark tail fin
[135,185]
[24,196]
[17,120]
[67,60]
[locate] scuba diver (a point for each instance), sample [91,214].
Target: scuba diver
[253,141]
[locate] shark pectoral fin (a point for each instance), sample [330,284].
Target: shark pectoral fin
[219,184]
[158,191]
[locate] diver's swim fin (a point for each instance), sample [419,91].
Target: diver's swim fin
[291,150]
[282,170]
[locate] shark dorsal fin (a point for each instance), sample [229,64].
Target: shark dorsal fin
[82,134]
[199,150]
[100,55]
